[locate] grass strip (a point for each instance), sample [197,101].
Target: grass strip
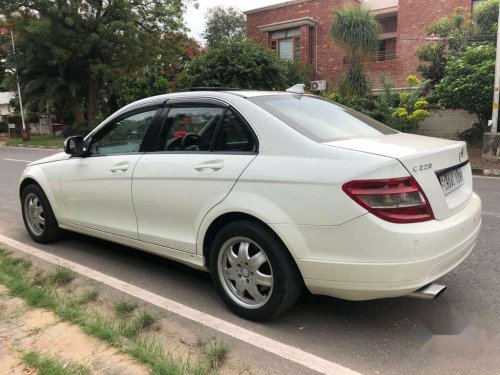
[38,140]
[46,365]
[42,291]
[125,308]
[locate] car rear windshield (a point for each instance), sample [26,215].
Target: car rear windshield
[319,119]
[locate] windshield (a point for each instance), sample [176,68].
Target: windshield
[319,119]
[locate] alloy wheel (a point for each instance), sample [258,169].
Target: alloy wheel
[33,211]
[245,272]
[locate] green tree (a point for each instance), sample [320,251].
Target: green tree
[470,68]
[450,34]
[4,53]
[148,81]
[468,82]
[486,19]
[243,64]
[224,24]
[68,50]
[356,30]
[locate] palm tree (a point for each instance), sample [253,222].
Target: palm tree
[356,31]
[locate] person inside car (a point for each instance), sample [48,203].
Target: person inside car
[182,125]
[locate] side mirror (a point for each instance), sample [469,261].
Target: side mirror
[74,146]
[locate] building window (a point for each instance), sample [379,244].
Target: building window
[286,49]
[386,50]
[287,43]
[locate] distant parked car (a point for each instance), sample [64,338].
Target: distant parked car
[269,191]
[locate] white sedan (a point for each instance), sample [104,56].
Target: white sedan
[269,192]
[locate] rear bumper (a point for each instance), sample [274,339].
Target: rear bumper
[369,258]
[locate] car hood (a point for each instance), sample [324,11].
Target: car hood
[49,159]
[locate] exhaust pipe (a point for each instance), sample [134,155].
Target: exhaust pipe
[430,291]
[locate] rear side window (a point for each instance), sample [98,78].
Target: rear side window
[319,119]
[233,134]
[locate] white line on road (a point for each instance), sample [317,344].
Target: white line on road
[288,352]
[19,160]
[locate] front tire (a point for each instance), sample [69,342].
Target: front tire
[38,216]
[253,271]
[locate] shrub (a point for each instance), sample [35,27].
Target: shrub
[412,109]
[468,82]
[356,30]
[244,64]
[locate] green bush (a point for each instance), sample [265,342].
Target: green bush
[403,111]
[243,64]
[412,109]
[468,84]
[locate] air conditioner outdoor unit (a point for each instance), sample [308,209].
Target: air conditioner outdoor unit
[318,85]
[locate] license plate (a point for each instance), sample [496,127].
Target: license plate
[451,181]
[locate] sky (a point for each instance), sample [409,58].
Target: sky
[195,18]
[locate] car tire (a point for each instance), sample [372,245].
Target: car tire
[258,283]
[38,216]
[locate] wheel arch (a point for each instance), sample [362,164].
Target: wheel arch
[37,177]
[219,222]
[28,181]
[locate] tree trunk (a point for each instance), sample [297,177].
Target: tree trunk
[49,120]
[79,115]
[113,103]
[92,100]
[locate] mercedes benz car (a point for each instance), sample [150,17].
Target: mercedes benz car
[271,192]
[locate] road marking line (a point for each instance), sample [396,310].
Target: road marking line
[19,160]
[288,352]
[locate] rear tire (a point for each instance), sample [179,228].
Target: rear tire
[38,217]
[253,271]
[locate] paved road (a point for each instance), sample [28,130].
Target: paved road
[376,337]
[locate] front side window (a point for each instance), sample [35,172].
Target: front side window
[319,119]
[190,128]
[234,135]
[124,136]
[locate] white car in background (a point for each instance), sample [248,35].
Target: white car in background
[269,192]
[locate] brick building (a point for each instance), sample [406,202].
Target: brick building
[300,30]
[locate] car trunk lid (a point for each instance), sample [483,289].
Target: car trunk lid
[427,160]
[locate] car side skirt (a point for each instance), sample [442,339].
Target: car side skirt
[189,259]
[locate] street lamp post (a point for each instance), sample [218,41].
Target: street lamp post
[496,90]
[491,141]
[25,133]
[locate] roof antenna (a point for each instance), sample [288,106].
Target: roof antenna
[297,89]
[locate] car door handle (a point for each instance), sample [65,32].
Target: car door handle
[210,166]
[120,168]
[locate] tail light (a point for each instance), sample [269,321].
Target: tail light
[398,200]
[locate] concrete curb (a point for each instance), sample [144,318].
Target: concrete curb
[486,172]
